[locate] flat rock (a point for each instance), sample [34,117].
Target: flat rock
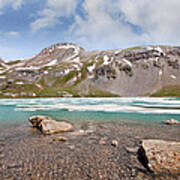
[171,122]
[60,139]
[49,126]
[160,156]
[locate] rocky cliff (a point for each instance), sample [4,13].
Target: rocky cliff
[69,70]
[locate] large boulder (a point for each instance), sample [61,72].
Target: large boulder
[160,156]
[49,126]
[36,120]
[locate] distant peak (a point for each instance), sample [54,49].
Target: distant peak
[57,46]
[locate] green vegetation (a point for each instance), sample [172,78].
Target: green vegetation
[13,62]
[65,79]
[132,48]
[168,91]
[94,92]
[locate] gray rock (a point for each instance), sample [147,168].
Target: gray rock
[160,156]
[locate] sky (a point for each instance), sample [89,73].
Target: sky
[28,26]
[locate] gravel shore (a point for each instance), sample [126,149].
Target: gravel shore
[107,151]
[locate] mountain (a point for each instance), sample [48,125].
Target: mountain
[68,70]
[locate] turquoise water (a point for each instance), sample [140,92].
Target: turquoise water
[14,111]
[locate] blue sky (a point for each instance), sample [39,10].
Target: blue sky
[27,26]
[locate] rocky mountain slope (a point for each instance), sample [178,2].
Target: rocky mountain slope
[69,70]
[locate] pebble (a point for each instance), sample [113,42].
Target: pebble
[114,143]
[102,142]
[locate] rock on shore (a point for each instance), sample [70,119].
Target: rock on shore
[49,126]
[160,156]
[171,122]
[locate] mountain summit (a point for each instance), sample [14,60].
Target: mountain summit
[68,70]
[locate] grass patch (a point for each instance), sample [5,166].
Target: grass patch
[132,48]
[168,91]
[13,62]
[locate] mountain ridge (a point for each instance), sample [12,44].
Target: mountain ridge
[67,70]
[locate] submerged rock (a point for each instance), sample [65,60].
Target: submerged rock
[171,122]
[160,156]
[49,126]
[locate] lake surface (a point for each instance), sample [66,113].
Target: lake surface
[15,111]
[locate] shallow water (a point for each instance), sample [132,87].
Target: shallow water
[15,111]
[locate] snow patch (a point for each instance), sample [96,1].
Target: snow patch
[76,67]
[52,63]
[159,49]
[46,72]
[66,71]
[173,77]
[2,77]
[91,68]
[27,68]
[19,83]
[117,52]
[74,79]
[128,62]
[160,73]
[1,72]
[106,60]
[79,75]
[76,60]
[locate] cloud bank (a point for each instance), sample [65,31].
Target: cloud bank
[114,23]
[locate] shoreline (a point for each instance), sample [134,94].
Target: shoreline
[25,153]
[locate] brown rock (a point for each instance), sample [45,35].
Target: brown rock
[160,156]
[60,138]
[102,142]
[36,120]
[171,122]
[49,126]
[52,126]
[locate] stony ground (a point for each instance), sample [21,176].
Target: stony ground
[27,154]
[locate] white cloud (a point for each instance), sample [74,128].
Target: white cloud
[15,4]
[12,33]
[102,27]
[9,34]
[160,19]
[123,23]
[48,17]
